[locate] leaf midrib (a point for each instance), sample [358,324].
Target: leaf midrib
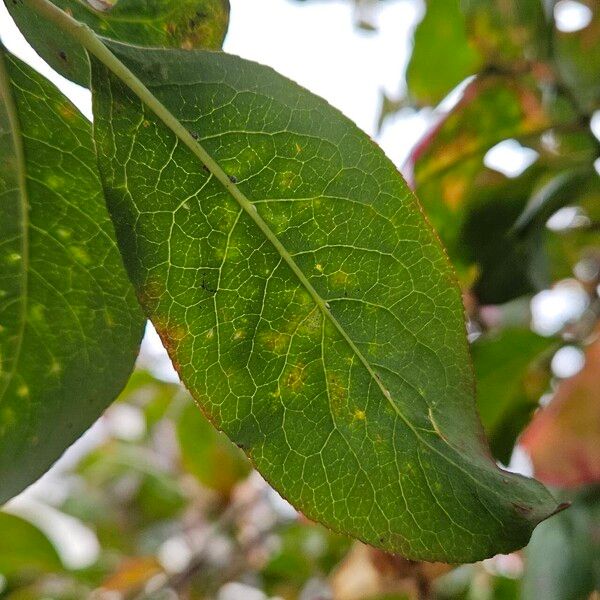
[15,126]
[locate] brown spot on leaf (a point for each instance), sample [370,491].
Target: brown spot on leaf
[294,379]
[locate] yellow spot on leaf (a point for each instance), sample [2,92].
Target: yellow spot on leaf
[274,341]
[80,255]
[339,278]
[294,380]
[67,110]
[337,392]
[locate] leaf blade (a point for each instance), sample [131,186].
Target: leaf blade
[75,304]
[164,223]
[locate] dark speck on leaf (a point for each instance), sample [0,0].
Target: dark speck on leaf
[194,135]
[62,55]
[233,179]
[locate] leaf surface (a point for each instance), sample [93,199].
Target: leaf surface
[69,324]
[164,23]
[308,307]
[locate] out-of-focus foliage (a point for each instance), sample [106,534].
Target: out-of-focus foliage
[520,93]
[442,27]
[563,440]
[509,383]
[207,453]
[24,549]
[563,557]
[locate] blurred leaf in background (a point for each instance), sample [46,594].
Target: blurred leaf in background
[184,24]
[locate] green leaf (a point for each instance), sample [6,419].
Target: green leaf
[441,40]
[563,557]
[207,453]
[510,34]
[512,373]
[577,57]
[165,23]
[69,325]
[318,324]
[24,549]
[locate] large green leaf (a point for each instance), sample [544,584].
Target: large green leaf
[440,40]
[166,23]
[309,308]
[69,325]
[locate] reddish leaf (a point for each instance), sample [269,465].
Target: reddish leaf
[564,439]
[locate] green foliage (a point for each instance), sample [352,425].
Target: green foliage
[442,27]
[70,326]
[578,60]
[24,550]
[564,554]
[512,373]
[207,453]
